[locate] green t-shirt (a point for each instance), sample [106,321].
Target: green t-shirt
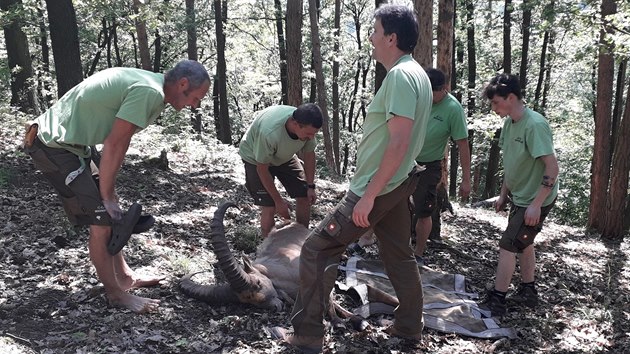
[523,143]
[267,140]
[405,92]
[84,115]
[447,120]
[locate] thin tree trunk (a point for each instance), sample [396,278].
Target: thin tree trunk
[615,207]
[294,52]
[542,70]
[143,38]
[335,88]
[282,51]
[321,84]
[381,72]
[43,87]
[191,30]
[527,20]
[23,94]
[64,36]
[224,130]
[507,44]
[600,168]
[617,110]
[493,167]
[423,52]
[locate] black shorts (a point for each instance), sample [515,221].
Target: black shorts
[425,195]
[290,174]
[518,236]
[81,198]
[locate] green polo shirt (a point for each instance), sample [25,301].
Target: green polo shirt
[523,143]
[447,120]
[84,115]
[267,140]
[406,92]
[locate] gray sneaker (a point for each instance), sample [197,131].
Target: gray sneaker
[526,296]
[494,303]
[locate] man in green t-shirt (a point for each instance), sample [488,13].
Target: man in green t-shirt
[107,108]
[531,172]
[386,175]
[447,121]
[269,150]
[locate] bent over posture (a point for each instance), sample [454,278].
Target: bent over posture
[107,108]
[269,150]
[386,175]
[531,170]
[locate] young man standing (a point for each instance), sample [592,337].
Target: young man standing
[107,108]
[386,175]
[269,150]
[531,172]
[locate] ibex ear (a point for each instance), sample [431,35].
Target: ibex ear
[247,265]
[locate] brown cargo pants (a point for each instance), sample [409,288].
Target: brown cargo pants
[391,222]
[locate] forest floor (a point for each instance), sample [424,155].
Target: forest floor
[52,302]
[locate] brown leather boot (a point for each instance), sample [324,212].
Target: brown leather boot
[306,344]
[392,331]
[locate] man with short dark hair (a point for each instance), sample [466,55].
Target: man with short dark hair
[386,175]
[530,178]
[269,150]
[107,108]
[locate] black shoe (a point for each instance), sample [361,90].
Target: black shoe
[526,296]
[123,228]
[145,223]
[494,303]
[354,249]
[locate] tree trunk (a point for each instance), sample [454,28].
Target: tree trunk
[23,94]
[542,70]
[64,36]
[493,167]
[617,110]
[223,127]
[335,87]
[527,21]
[547,82]
[507,44]
[143,38]
[381,72]
[159,50]
[445,31]
[43,86]
[294,52]
[191,30]
[321,84]
[615,208]
[600,168]
[423,53]
[282,51]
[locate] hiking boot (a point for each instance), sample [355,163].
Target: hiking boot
[306,344]
[525,295]
[494,303]
[354,249]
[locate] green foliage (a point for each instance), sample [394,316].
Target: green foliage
[246,238]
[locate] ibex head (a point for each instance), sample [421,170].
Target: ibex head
[246,284]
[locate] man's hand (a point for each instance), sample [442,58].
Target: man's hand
[282,209]
[532,215]
[113,209]
[464,190]
[361,212]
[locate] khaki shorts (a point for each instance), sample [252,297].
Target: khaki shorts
[290,174]
[518,236]
[81,198]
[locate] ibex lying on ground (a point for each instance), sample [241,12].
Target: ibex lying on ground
[271,278]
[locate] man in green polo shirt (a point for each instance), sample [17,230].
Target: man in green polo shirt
[530,177]
[107,108]
[269,150]
[386,175]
